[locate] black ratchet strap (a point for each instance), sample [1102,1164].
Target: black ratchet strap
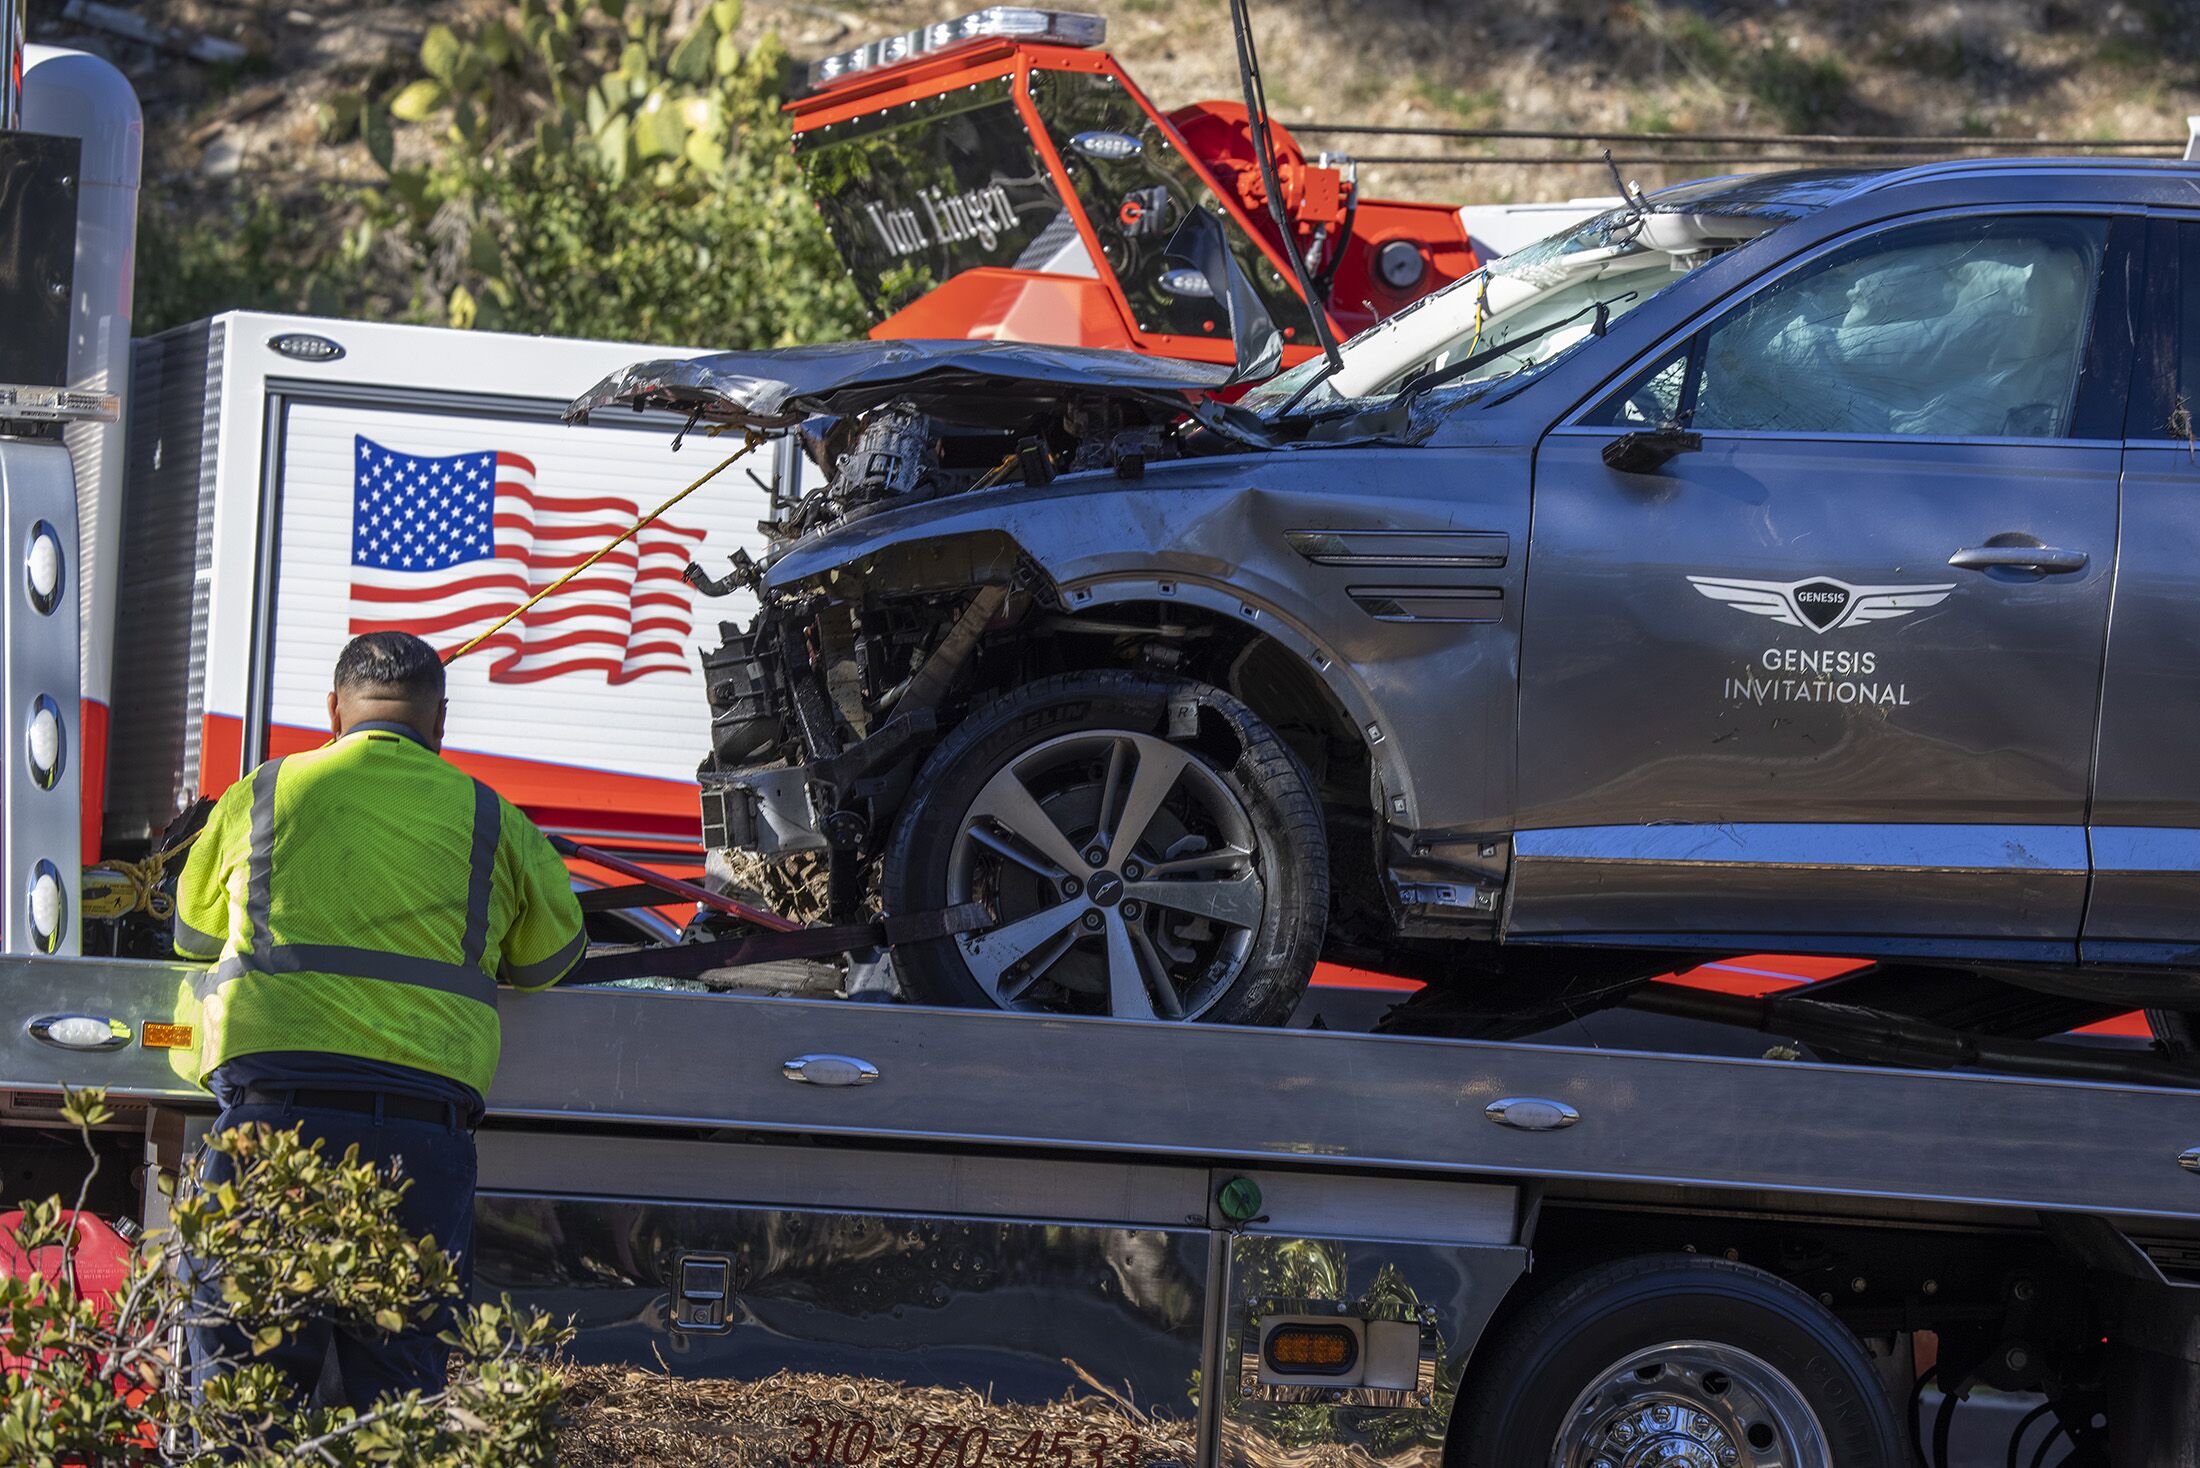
[688,960]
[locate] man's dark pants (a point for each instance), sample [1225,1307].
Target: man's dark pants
[439,1159]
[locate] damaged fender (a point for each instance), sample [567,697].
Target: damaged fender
[1299,550]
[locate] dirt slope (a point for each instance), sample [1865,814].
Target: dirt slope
[2032,69]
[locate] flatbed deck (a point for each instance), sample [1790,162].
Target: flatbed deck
[960,1230]
[639,1058]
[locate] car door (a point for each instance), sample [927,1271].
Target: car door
[1829,680]
[2145,828]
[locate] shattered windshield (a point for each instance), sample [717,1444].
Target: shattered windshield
[1518,314]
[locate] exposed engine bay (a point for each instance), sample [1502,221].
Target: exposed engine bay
[823,705]
[901,454]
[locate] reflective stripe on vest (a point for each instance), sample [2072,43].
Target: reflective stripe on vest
[488,831]
[269,957]
[259,883]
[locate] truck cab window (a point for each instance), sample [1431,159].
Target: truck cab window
[919,193]
[1957,329]
[1135,187]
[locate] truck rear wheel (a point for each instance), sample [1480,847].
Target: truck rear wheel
[1676,1359]
[1150,848]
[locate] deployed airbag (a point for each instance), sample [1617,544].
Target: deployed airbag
[1954,337]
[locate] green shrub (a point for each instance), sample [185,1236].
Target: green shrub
[243,248]
[566,167]
[297,1235]
[577,167]
[1807,92]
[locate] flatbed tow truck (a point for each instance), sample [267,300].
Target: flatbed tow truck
[895,1197]
[1205,1247]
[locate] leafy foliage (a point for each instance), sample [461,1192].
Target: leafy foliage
[567,167]
[268,252]
[581,168]
[1806,92]
[297,1235]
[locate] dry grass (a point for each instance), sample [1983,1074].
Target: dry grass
[1998,68]
[617,1416]
[2005,69]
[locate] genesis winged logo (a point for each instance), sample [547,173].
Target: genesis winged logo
[1821,603]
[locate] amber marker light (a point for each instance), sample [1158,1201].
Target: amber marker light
[1311,1350]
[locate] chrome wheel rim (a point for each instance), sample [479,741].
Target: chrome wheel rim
[1691,1404]
[1123,874]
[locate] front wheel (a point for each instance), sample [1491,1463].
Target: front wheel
[1149,847]
[1677,1360]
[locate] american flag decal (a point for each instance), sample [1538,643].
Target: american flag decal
[442,547]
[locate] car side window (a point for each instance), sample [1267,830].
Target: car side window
[2165,397]
[1959,328]
[2185,396]
[1966,328]
[1655,397]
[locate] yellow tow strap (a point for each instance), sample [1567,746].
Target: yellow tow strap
[115,889]
[626,535]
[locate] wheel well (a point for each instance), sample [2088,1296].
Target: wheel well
[1261,672]
[1194,642]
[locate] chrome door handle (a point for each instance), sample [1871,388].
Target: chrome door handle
[2022,557]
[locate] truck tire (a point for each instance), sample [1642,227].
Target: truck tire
[1212,909]
[1711,1354]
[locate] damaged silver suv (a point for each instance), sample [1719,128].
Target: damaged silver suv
[1734,571]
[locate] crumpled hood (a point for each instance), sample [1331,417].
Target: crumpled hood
[978,383]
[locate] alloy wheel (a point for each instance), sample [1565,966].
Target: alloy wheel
[1124,873]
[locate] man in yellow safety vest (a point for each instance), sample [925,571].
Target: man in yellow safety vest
[360,904]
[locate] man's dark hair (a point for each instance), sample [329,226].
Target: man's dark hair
[391,663]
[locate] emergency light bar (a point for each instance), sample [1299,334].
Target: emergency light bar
[1016,22]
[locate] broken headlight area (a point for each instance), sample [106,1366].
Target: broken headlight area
[821,710]
[900,454]
[822,707]
[891,423]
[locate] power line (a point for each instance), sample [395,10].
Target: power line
[1871,140]
[1813,160]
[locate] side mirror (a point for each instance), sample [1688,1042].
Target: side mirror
[1644,450]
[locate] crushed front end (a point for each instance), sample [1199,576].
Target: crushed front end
[825,704]
[822,708]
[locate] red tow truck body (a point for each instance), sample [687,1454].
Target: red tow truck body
[1022,187]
